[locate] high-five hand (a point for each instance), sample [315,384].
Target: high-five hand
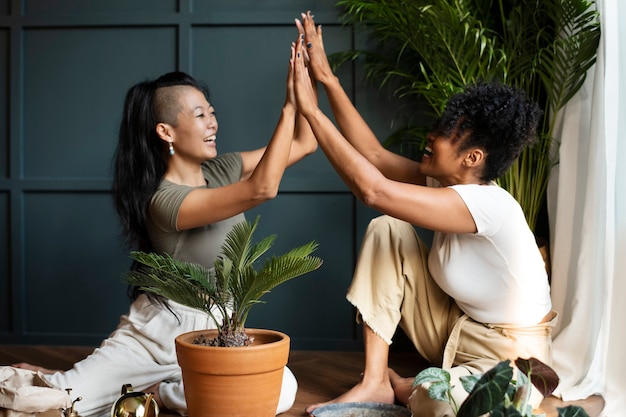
[306,97]
[315,54]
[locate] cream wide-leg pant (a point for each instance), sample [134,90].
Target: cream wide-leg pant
[141,352]
[392,286]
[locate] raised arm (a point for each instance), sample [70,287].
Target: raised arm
[303,144]
[350,122]
[440,209]
[262,172]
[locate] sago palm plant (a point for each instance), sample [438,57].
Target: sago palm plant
[228,291]
[431,49]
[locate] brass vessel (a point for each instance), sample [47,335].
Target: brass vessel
[134,404]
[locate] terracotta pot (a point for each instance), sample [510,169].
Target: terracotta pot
[233,381]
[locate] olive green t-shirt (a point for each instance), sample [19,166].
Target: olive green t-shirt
[200,245]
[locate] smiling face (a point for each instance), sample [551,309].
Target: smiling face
[193,133]
[442,159]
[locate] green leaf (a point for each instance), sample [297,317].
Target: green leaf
[185,283]
[439,387]
[427,50]
[469,382]
[505,411]
[571,411]
[488,391]
[233,286]
[430,375]
[439,391]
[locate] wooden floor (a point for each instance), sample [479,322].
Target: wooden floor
[321,375]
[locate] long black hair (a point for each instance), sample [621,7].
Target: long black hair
[140,158]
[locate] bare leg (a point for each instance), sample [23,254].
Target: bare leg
[29,367]
[375,385]
[402,387]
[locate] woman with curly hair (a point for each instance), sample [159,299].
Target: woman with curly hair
[480,293]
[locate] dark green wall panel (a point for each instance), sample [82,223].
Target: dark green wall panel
[248,96]
[4,103]
[74,84]
[77,6]
[65,66]
[72,266]
[312,309]
[267,11]
[5,287]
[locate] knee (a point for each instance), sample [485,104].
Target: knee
[395,231]
[386,224]
[384,221]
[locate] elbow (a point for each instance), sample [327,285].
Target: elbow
[312,147]
[306,148]
[271,194]
[373,192]
[371,195]
[265,192]
[370,198]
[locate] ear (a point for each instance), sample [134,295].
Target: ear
[474,157]
[164,131]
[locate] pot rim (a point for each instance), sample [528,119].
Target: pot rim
[186,339]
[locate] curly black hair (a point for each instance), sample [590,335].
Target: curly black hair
[499,119]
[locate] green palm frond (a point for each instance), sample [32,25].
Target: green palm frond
[431,49]
[412,32]
[246,285]
[564,36]
[185,283]
[276,270]
[564,63]
[233,286]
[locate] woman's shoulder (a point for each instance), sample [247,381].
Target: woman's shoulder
[491,191]
[490,205]
[226,167]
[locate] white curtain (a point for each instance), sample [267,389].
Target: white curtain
[587,210]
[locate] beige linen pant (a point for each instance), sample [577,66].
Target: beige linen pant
[392,287]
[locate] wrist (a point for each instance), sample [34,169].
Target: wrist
[289,108]
[330,80]
[311,113]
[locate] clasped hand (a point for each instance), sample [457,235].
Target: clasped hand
[308,63]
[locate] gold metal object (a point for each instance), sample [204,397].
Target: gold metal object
[71,412]
[134,404]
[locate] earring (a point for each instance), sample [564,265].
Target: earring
[171,148]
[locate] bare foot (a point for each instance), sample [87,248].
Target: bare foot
[402,387]
[362,392]
[29,367]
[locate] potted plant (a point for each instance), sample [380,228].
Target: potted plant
[496,393]
[230,370]
[427,50]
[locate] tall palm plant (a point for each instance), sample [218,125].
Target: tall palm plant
[429,50]
[228,291]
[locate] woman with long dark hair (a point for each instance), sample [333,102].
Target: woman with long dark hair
[176,195]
